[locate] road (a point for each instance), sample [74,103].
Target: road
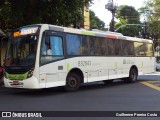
[118,96]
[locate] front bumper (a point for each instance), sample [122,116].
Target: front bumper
[30,83]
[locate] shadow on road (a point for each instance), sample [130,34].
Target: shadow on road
[59,90]
[85,87]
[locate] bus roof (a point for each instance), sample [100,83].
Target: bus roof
[138,39]
[95,32]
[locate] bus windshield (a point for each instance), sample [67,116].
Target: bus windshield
[21,51]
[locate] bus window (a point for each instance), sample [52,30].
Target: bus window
[84,49]
[73,44]
[103,48]
[111,46]
[43,47]
[95,46]
[56,45]
[51,50]
[148,49]
[77,44]
[118,47]
[127,48]
[139,49]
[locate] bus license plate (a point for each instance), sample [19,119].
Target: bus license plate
[16,82]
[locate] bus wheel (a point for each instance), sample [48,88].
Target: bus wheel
[132,75]
[73,82]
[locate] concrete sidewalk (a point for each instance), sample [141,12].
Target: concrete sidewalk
[152,76]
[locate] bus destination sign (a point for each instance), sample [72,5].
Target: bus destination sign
[25,31]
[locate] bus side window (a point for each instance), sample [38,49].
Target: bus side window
[111,47]
[139,49]
[43,47]
[127,48]
[56,45]
[118,44]
[148,48]
[52,46]
[73,44]
[52,49]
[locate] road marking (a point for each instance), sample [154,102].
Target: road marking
[151,84]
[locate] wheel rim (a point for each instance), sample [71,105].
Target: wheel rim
[72,82]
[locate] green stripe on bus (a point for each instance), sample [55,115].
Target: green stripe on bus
[116,65]
[88,33]
[142,64]
[17,76]
[68,67]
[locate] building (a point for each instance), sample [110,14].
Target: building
[86,18]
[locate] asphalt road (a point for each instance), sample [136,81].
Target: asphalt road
[118,96]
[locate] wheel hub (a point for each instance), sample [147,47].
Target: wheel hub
[72,82]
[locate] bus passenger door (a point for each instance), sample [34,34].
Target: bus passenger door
[52,67]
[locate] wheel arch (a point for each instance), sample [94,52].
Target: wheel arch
[79,72]
[134,67]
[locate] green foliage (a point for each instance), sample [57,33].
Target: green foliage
[128,15]
[17,13]
[95,22]
[153,19]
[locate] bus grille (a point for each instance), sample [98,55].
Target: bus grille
[16,71]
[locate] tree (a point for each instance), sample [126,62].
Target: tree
[95,22]
[17,13]
[128,15]
[151,11]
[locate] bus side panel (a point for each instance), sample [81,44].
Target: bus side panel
[102,68]
[93,68]
[119,67]
[145,65]
[53,74]
[148,65]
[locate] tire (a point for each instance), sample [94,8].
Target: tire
[132,76]
[73,82]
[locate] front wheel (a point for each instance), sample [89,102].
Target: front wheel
[73,82]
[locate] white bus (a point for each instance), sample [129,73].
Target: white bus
[43,56]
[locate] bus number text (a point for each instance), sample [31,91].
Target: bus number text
[84,63]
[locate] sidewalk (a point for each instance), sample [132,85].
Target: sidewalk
[151,77]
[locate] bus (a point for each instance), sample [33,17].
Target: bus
[43,56]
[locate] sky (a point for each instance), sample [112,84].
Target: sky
[99,8]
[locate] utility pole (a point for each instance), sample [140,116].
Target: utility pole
[145,29]
[112,8]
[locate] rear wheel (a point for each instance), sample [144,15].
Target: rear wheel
[73,82]
[132,76]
